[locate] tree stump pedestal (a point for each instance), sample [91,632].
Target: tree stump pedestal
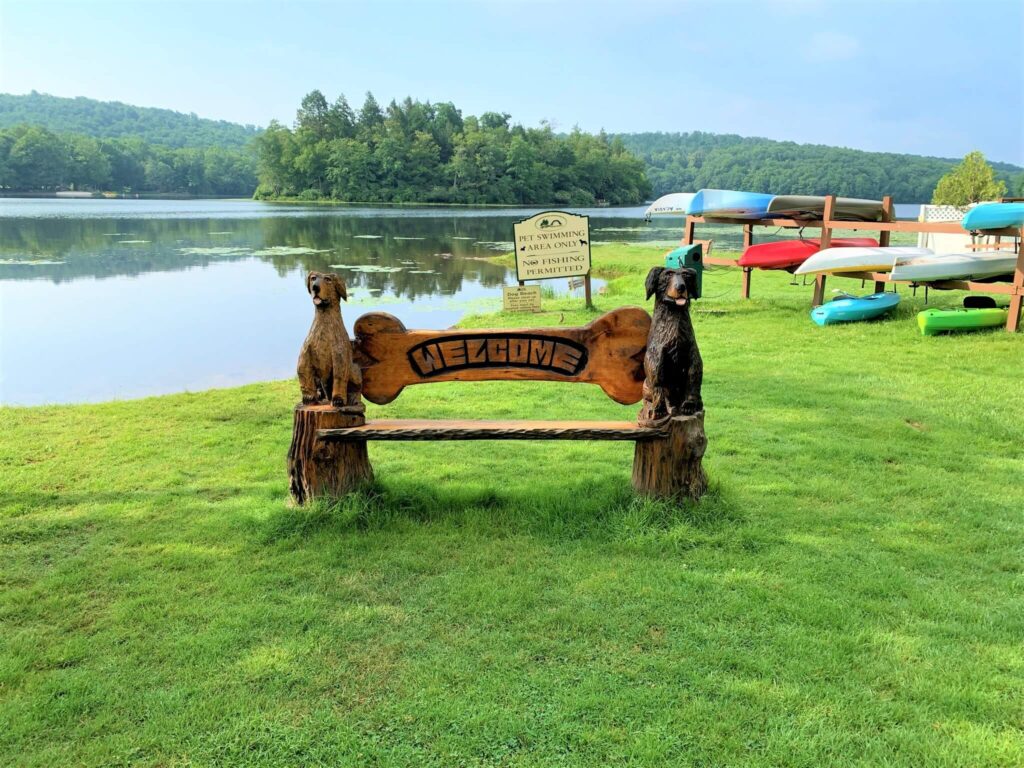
[320,468]
[671,467]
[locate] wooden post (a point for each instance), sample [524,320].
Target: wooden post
[586,291]
[883,237]
[826,241]
[688,230]
[748,240]
[318,468]
[1017,298]
[671,467]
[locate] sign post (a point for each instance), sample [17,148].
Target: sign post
[553,244]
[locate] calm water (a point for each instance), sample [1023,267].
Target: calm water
[104,299]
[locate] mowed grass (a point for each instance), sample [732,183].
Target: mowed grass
[849,592]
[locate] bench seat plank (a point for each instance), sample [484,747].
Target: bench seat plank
[451,429]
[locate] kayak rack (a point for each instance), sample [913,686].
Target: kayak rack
[1014,289]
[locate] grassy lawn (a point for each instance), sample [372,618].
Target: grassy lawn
[849,593]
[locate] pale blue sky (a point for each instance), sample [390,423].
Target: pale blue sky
[933,77]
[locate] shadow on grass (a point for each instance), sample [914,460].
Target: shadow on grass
[600,514]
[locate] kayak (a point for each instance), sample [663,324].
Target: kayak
[953,266]
[856,259]
[852,308]
[674,204]
[812,207]
[933,321]
[787,254]
[994,216]
[728,203]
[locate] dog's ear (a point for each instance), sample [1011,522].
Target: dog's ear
[340,283]
[309,282]
[652,280]
[690,276]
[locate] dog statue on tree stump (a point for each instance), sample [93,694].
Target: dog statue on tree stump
[672,366]
[671,467]
[327,373]
[331,384]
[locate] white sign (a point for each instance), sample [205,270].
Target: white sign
[552,244]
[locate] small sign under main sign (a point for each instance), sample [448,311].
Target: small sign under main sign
[521,298]
[552,244]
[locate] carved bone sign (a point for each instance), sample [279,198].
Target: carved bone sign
[608,352]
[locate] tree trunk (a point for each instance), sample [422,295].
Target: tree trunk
[671,468]
[318,468]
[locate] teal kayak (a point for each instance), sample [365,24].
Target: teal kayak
[933,321]
[994,216]
[850,309]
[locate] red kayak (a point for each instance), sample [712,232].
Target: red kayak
[789,254]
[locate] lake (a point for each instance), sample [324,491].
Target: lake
[107,299]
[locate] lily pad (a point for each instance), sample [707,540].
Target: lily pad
[133,242]
[29,262]
[225,250]
[287,250]
[369,237]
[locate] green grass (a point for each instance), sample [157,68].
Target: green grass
[849,593]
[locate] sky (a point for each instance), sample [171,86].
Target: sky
[936,78]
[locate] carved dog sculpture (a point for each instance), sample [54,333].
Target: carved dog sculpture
[672,365]
[326,370]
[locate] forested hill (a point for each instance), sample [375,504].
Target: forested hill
[682,162]
[113,120]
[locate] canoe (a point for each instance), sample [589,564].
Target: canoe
[727,203]
[853,308]
[812,207]
[856,259]
[953,266]
[933,321]
[994,216]
[674,204]
[787,254]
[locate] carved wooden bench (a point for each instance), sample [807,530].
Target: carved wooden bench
[328,453]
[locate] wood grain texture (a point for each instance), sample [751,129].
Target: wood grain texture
[317,468]
[671,468]
[608,352]
[448,429]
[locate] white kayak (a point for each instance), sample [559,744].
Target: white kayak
[953,266]
[858,259]
[673,204]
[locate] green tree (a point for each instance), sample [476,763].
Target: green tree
[972,181]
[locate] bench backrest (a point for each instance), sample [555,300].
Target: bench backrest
[608,352]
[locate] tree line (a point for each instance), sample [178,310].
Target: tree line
[33,159]
[113,120]
[678,162]
[416,151]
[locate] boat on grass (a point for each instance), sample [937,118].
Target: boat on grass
[953,266]
[933,321]
[994,216]
[839,260]
[849,309]
[787,254]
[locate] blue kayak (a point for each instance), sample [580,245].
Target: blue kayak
[853,308]
[730,204]
[994,216]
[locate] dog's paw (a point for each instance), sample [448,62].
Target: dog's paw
[690,407]
[337,402]
[308,399]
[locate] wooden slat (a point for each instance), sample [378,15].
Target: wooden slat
[434,429]
[947,227]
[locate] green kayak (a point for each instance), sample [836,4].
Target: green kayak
[933,321]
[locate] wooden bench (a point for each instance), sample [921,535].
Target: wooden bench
[328,455]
